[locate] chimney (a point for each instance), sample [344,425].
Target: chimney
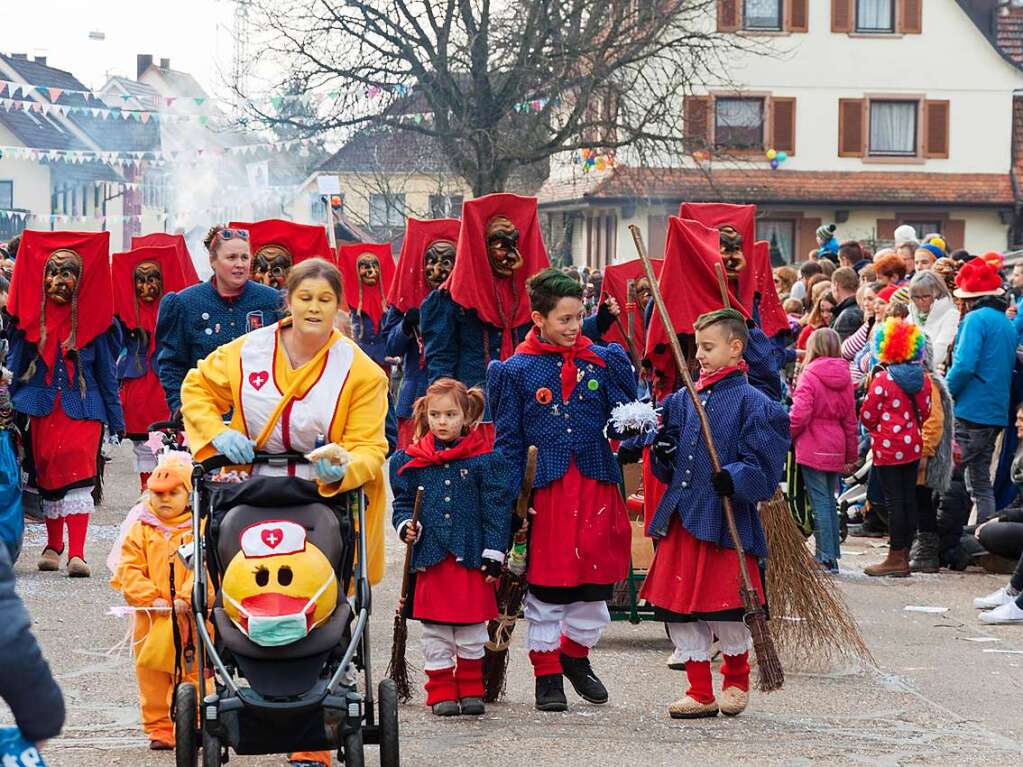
[143,62]
[41,60]
[164,63]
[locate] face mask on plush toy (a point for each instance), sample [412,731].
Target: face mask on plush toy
[61,275]
[503,247]
[439,261]
[268,625]
[148,282]
[369,269]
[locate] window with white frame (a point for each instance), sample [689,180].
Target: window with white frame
[875,16]
[445,206]
[763,15]
[387,210]
[739,123]
[893,128]
[780,234]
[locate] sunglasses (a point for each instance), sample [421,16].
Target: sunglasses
[227,234]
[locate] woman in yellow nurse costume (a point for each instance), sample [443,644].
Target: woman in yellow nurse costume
[285,385]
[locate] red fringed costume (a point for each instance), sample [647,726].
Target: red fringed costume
[176,241]
[367,303]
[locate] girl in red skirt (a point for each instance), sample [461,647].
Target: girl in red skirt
[460,539]
[557,392]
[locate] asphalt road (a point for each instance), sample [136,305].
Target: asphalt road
[948,691]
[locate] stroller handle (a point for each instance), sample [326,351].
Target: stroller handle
[220,461]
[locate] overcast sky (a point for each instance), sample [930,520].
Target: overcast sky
[196,35]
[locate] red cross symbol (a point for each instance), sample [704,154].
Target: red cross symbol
[272,537]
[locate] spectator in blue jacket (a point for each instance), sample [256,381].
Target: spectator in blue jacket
[980,377]
[194,322]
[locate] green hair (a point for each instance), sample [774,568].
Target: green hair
[548,287]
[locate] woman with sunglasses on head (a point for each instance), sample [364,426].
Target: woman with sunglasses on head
[194,322]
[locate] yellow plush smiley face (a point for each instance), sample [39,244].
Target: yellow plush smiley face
[260,583]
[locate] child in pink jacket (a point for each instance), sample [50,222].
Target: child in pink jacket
[823,426]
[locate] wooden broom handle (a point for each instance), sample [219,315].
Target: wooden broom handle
[683,367]
[416,508]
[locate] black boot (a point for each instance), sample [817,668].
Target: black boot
[550,693]
[585,682]
[923,557]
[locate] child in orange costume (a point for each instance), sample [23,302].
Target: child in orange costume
[146,562]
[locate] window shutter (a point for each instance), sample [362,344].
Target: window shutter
[728,15]
[842,15]
[886,228]
[936,137]
[807,238]
[783,125]
[697,121]
[798,16]
[852,129]
[910,17]
[657,234]
[954,233]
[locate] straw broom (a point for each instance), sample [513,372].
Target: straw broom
[397,669]
[511,590]
[772,677]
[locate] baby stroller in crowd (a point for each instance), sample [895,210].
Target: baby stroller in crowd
[853,499]
[297,689]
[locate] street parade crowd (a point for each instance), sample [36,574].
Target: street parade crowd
[499,398]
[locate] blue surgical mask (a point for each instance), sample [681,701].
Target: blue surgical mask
[277,630]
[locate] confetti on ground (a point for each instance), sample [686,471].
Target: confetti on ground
[925,609]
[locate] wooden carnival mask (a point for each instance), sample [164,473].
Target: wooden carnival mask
[368,267]
[643,293]
[148,282]
[270,266]
[731,251]
[439,261]
[503,247]
[61,275]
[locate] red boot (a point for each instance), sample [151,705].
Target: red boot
[469,680]
[442,692]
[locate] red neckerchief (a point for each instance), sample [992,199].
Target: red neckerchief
[424,451]
[569,354]
[228,299]
[711,379]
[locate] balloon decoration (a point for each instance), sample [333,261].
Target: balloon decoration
[776,158]
[590,159]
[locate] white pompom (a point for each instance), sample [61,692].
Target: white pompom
[634,417]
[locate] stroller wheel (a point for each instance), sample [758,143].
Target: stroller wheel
[387,702]
[186,737]
[210,750]
[353,755]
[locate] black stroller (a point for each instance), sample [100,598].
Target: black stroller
[303,696]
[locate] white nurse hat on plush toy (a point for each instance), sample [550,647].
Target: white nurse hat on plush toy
[271,539]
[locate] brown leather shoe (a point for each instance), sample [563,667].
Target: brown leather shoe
[895,565]
[76,568]
[49,560]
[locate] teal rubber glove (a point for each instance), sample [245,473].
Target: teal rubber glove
[235,446]
[328,472]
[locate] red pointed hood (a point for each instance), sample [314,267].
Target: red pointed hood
[616,284]
[301,241]
[409,287]
[176,241]
[773,319]
[93,297]
[744,219]
[371,300]
[132,312]
[502,303]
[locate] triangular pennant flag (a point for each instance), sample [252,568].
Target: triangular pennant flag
[276,101]
[199,101]
[54,93]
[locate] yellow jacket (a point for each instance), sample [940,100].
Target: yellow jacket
[213,387]
[143,576]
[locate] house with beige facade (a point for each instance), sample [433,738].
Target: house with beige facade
[889,112]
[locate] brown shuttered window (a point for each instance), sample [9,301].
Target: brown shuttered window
[807,237]
[936,137]
[852,131]
[798,16]
[954,233]
[910,17]
[783,125]
[728,15]
[886,228]
[697,121]
[842,15]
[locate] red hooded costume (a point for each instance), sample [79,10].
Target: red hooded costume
[502,303]
[773,319]
[616,284]
[409,287]
[142,396]
[176,241]
[362,299]
[299,241]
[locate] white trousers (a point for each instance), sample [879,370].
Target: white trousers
[442,643]
[693,640]
[582,622]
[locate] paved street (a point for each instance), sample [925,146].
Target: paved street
[941,697]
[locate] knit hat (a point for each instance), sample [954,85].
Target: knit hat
[978,278]
[886,293]
[898,341]
[174,468]
[933,249]
[904,233]
[826,232]
[995,259]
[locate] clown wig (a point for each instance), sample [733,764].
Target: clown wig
[898,341]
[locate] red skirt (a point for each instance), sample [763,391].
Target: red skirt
[406,431]
[143,402]
[450,593]
[580,534]
[653,490]
[65,450]
[689,576]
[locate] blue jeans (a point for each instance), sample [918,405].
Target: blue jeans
[821,487]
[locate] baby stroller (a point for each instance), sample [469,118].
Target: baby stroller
[855,494]
[302,696]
